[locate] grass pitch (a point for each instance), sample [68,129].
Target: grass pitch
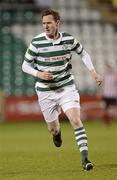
[27,152]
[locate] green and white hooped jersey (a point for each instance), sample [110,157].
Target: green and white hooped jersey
[54,56]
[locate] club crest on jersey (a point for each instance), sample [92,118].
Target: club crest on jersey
[65,46]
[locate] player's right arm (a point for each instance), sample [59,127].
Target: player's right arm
[27,65]
[27,68]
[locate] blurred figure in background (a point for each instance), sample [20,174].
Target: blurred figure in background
[109,91]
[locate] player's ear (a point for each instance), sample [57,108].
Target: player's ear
[58,22]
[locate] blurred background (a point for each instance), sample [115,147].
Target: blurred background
[93,22]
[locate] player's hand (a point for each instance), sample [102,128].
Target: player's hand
[45,75]
[98,78]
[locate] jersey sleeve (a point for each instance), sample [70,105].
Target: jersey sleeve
[31,53]
[77,47]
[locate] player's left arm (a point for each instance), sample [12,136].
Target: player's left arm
[87,61]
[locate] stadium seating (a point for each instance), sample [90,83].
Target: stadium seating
[18,28]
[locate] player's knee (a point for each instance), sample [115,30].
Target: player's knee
[76,122]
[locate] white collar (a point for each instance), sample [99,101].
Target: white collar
[54,41]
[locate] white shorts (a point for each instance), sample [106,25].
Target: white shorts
[51,102]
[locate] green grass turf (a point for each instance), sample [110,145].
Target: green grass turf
[27,152]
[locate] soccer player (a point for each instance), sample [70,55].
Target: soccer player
[109,91]
[49,58]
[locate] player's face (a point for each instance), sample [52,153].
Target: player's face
[50,26]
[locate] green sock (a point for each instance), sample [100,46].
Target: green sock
[81,139]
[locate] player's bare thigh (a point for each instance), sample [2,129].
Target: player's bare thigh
[73,115]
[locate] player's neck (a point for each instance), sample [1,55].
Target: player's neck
[55,36]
